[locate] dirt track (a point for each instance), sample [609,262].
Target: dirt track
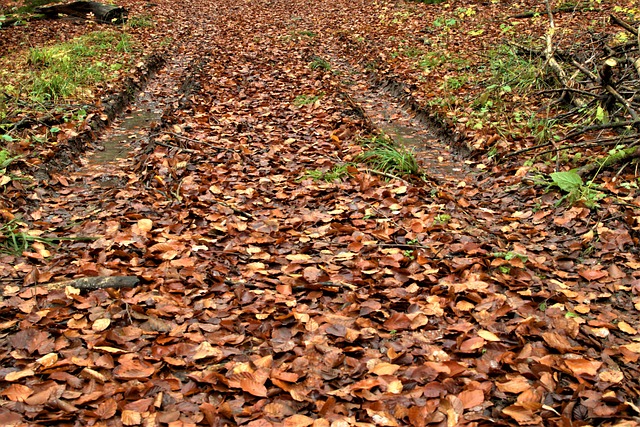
[268,298]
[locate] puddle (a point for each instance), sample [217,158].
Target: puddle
[135,124]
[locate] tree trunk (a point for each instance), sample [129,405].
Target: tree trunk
[106,13]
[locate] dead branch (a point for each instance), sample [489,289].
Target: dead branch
[99,282]
[621,23]
[105,13]
[585,7]
[624,156]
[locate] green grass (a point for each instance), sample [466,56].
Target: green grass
[320,64]
[60,71]
[302,100]
[510,71]
[338,172]
[141,21]
[383,155]
[14,240]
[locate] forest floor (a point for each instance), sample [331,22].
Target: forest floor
[316,217]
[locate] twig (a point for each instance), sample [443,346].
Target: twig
[385,174]
[195,141]
[186,150]
[623,24]
[567,89]
[235,210]
[603,126]
[100,282]
[593,143]
[568,8]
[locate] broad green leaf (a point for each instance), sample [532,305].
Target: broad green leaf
[567,181]
[601,114]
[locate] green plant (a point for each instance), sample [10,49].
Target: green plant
[5,160]
[62,70]
[385,156]
[508,256]
[15,240]
[431,60]
[338,172]
[442,219]
[510,70]
[572,184]
[319,63]
[301,100]
[141,21]
[455,83]
[445,22]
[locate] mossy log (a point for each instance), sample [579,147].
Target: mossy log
[105,13]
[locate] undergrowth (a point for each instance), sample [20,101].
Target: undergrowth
[65,70]
[383,155]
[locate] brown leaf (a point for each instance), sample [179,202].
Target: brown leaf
[522,415]
[131,418]
[297,421]
[516,385]
[17,392]
[557,341]
[384,368]
[471,398]
[582,367]
[107,409]
[131,368]
[251,386]
[397,321]
[472,344]
[593,274]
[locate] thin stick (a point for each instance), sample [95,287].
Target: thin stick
[385,174]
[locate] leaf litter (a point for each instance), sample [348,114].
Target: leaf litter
[267,299]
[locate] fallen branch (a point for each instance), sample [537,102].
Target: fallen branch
[611,125]
[604,142]
[621,23]
[385,174]
[562,9]
[627,154]
[105,13]
[93,283]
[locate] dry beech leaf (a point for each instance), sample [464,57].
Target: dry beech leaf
[205,350]
[583,367]
[516,385]
[471,398]
[131,368]
[297,421]
[489,336]
[522,415]
[145,225]
[17,392]
[100,325]
[131,418]
[106,409]
[253,387]
[384,368]
[627,328]
[472,344]
[16,375]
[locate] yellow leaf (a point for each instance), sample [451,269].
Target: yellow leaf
[627,328]
[489,336]
[384,368]
[100,325]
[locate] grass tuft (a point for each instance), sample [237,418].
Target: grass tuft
[385,156]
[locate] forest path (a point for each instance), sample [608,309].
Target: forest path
[271,299]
